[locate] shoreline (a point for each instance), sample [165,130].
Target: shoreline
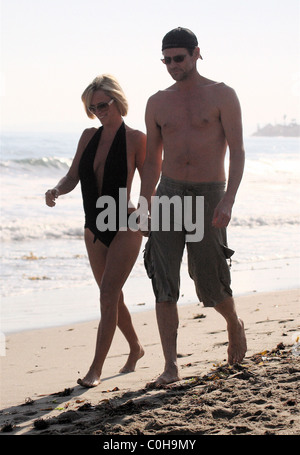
[44,308]
[41,367]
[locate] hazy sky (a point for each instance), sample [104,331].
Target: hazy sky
[51,50]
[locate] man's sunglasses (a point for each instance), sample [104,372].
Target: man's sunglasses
[100,107]
[176,59]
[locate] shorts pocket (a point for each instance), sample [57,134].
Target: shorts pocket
[227,251]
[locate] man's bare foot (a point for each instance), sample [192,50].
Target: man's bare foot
[163,379]
[90,380]
[133,357]
[237,346]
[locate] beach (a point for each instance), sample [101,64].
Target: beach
[50,310]
[43,248]
[260,396]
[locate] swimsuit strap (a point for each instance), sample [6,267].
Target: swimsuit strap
[88,179]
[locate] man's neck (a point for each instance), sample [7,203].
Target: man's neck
[196,80]
[189,82]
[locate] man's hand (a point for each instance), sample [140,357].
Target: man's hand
[222,213]
[50,197]
[144,225]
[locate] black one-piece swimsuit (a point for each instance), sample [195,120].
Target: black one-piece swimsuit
[114,178]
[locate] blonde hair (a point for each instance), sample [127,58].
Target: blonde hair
[111,87]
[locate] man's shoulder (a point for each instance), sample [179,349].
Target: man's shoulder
[220,87]
[226,93]
[224,88]
[163,92]
[158,97]
[221,93]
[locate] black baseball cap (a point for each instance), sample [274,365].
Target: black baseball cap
[180,37]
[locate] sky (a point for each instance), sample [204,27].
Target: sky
[51,51]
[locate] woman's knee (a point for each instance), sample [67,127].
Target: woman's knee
[109,297]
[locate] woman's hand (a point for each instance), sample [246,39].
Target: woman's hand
[50,197]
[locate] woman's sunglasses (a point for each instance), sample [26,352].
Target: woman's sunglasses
[100,107]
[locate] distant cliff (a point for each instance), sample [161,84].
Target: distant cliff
[291,130]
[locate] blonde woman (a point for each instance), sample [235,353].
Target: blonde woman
[105,161]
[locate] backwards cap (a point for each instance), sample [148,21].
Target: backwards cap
[180,37]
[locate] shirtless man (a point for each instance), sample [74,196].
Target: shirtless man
[189,126]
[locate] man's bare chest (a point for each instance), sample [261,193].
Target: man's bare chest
[183,115]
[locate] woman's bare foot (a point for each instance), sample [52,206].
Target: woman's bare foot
[237,346]
[133,357]
[90,380]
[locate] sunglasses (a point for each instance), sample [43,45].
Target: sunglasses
[176,59]
[100,107]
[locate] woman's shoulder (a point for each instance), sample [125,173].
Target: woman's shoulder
[136,139]
[86,136]
[88,133]
[134,134]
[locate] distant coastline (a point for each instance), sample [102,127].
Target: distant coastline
[290,130]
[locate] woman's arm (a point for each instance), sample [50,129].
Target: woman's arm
[140,153]
[70,180]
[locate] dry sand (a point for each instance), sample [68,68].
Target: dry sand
[40,396]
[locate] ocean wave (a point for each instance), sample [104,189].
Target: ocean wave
[21,230]
[34,164]
[18,232]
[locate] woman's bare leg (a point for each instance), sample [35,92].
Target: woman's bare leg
[126,327]
[111,268]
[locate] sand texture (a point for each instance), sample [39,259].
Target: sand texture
[260,396]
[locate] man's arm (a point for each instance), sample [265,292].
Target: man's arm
[153,160]
[231,119]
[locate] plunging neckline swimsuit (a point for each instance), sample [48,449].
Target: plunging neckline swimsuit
[114,178]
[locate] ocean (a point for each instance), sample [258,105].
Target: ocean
[45,275]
